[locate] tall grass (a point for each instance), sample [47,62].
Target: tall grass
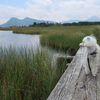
[62,41]
[54,29]
[25,75]
[70,40]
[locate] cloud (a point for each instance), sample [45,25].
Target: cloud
[63,9]
[57,10]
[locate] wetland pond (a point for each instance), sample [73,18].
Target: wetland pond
[8,38]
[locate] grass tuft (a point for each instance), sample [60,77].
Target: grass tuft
[25,75]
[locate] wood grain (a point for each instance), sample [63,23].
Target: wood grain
[74,83]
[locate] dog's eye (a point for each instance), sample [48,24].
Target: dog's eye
[88,39]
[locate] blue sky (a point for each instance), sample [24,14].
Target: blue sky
[56,10]
[17,3]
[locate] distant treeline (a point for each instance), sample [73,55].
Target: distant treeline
[43,24]
[81,23]
[64,24]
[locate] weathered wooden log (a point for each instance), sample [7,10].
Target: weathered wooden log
[74,83]
[65,59]
[63,62]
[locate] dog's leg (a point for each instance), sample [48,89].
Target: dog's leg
[94,64]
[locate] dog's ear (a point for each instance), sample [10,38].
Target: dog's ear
[92,35]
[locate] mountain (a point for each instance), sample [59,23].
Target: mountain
[93,19]
[90,19]
[21,22]
[29,21]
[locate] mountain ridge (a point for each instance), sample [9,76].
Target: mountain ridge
[29,21]
[21,22]
[90,19]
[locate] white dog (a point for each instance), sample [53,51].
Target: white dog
[94,54]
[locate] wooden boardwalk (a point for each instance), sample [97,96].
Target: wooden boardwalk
[75,84]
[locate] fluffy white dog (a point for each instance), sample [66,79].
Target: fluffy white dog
[93,54]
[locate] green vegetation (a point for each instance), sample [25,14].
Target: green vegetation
[61,36]
[69,37]
[62,41]
[25,75]
[55,29]
[28,76]
[96,33]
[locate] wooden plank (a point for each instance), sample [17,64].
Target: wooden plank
[91,88]
[79,93]
[86,88]
[75,84]
[65,88]
[98,85]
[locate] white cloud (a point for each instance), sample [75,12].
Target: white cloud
[63,9]
[52,9]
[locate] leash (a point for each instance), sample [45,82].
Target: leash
[92,54]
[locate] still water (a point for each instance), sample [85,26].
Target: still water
[8,38]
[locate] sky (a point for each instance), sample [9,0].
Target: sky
[53,10]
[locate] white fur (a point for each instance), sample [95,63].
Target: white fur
[91,43]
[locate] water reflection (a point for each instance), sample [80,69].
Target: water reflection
[7,38]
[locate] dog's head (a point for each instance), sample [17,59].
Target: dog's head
[89,41]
